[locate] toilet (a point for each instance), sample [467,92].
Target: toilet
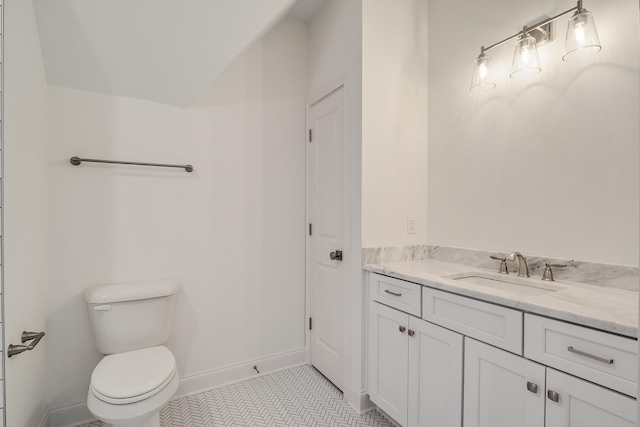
[138,375]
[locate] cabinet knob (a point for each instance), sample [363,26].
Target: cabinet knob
[402,329]
[411,332]
[553,395]
[532,387]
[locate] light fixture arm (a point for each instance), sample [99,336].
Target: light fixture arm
[526,29]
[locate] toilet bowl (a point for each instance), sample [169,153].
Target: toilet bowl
[138,375]
[129,389]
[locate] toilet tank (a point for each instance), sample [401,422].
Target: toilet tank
[131,316]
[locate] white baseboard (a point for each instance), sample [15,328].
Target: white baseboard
[73,415]
[358,400]
[207,380]
[70,415]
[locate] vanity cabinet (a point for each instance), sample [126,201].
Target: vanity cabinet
[510,369]
[415,367]
[505,390]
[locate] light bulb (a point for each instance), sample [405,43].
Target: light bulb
[579,34]
[483,70]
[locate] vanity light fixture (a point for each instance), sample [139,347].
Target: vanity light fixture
[581,41]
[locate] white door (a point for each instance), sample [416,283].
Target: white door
[501,389]
[389,360]
[327,273]
[435,375]
[573,402]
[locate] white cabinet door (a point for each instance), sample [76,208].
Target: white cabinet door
[435,375]
[501,389]
[388,360]
[584,404]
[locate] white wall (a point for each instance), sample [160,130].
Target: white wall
[134,48]
[377,49]
[25,213]
[394,121]
[547,165]
[335,58]
[232,232]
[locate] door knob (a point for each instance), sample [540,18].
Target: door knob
[336,256]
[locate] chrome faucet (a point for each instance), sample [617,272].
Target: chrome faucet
[523,268]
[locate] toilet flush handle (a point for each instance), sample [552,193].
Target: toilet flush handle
[104,307]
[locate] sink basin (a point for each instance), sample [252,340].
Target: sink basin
[518,285]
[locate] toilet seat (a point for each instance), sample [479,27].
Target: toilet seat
[133,376]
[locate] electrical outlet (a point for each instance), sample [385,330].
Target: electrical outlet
[411,224]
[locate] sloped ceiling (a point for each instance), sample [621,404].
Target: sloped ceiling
[165,51]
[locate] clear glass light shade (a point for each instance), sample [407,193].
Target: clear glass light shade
[481,80]
[525,60]
[582,37]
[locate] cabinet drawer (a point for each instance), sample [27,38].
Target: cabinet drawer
[495,325]
[597,356]
[396,293]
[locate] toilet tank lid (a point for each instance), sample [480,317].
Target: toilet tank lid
[102,294]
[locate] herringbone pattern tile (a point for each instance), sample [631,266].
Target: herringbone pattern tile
[296,397]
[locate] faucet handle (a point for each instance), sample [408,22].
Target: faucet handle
[547,276]
[503,264]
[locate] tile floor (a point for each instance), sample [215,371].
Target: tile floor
[296,397]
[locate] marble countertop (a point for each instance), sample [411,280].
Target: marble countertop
[607,309]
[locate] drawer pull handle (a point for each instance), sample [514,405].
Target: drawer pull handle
[590,356]
[395,294]
[402,329]
[553,395]
[532,387]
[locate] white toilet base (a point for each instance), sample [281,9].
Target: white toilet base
[145,413]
